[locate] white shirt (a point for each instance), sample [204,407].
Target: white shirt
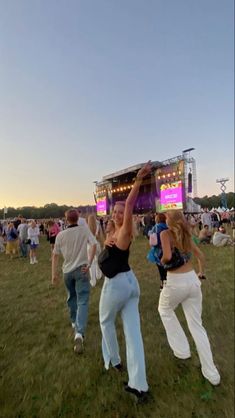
[206,218]
[72,244]
[23,231]
[218,237]
[33,234]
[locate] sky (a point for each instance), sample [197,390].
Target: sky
[90,87]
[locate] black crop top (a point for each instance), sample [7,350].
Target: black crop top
[113,260]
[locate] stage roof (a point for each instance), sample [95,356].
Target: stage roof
[129,170]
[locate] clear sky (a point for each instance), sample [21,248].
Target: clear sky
[89,87]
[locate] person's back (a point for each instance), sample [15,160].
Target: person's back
[184,287]
[73,246]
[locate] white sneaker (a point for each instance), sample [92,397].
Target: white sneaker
[214,380]
[35,261]
[78,347]
[31,261]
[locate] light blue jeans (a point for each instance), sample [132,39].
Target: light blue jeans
[121,294]
[78,287]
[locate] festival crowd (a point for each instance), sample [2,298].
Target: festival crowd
[96,248]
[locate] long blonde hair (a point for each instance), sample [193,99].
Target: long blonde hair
[180,230]
[92,224]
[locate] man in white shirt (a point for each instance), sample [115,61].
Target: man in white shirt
[206,218]
[72,244]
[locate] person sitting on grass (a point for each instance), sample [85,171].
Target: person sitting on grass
[221,239]
[205,235]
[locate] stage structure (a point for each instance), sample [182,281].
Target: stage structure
[171,185]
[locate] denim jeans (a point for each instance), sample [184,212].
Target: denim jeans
[185,289]
[121,294]
[24,249]
[78,287]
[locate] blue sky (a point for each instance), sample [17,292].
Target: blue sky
[89,87]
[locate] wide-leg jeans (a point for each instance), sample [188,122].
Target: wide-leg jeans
[78,286]
[185,289]
[121,294]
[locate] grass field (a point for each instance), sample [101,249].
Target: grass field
[40,376]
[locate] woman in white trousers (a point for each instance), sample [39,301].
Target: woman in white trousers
[183,287]
[120,294]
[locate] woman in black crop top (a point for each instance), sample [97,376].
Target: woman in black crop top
[120,293]
[184,287]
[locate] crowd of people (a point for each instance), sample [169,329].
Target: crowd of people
[96,248]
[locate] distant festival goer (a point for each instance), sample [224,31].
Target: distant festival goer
[205,235]
[160,226]
[206,218]
[72,245]
[12,247]
[53,230]
[183,287]
[95,229]
[221,239]
[33,236]
[120,293]
[23,237]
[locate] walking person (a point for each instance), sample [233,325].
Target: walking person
[184,287]
[120,294]
[53,230]
[71,243]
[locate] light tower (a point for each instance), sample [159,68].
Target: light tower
[223,188]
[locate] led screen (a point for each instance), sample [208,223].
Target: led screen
[101,207]
[171,196]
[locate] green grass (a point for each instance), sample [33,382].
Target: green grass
[41,377]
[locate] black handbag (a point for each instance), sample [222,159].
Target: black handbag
[177,260]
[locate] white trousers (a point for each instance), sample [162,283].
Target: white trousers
[185,289]
[121,294]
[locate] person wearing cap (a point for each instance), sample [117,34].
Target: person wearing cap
[72,245]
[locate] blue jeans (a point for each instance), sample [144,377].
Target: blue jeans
[78,287]
[24,249]
[121,294]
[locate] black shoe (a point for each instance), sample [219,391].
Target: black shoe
[140,396]
[119,368]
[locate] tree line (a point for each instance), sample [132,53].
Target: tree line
[52,210]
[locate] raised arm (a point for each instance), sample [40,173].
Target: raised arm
[131,199]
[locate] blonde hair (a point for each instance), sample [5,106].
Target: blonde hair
[92,224]
[180,230]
